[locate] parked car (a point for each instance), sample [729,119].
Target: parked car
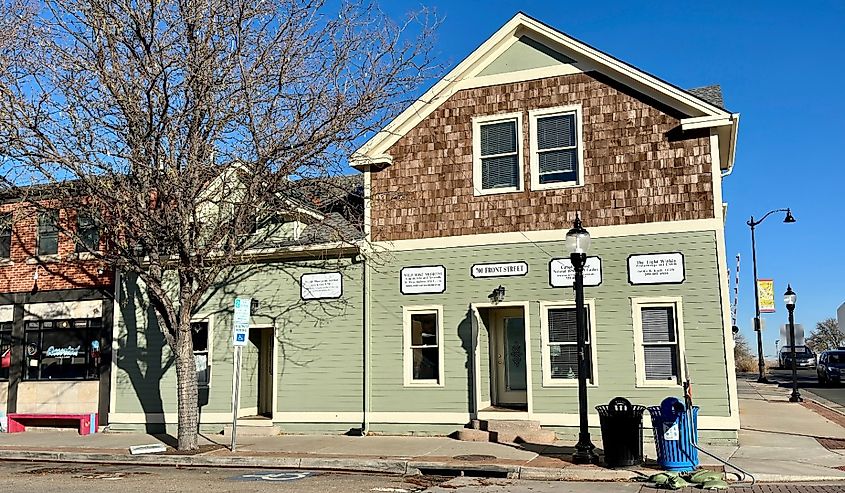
[830,367]
[804,357]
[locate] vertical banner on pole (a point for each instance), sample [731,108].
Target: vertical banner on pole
[240,333]
[766,290]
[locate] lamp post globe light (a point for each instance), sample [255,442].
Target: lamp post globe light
[578,243]
[789,299]
[761,363]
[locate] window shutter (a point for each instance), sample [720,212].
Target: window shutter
[658,325]
[499,172]
[556,131]
[563,161]
[661,363]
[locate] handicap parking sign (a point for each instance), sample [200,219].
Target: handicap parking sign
[240,337]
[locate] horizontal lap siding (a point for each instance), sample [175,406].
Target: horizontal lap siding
[318,345]
[703,325]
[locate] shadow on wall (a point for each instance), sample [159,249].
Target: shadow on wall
[139,363]
[468,344]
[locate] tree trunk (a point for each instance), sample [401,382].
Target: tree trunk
[186,373]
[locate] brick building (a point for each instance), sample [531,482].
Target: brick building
[55,313]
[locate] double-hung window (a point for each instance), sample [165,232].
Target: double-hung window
[560,343]
[423,353]
[48,233]
[200,340]
[659,334]
[88,232]
[6,235]
[497,154]
[5,349]
[556,155]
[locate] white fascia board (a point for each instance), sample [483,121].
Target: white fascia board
[362,162]
[709,121]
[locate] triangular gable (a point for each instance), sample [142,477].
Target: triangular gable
[526,49]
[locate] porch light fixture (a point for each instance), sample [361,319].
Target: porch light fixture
[578,242]
[498,295]
[789,299]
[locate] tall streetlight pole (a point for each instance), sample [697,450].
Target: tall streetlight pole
[761,363]
[578,242]
[789,299]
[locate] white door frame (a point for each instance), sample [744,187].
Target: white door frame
[249,411]
[529,390]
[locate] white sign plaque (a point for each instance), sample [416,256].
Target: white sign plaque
[656,268]
[328,285]
[240,322]
[507,269]
[562,274]
[423,280]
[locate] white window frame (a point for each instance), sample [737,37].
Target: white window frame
[408,356]
[533,115]
[676,303]
[548,381]
[477,122]
[209,319]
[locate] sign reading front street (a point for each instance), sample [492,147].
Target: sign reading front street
[562,274]
[429,279]
[656,268]
[499,270]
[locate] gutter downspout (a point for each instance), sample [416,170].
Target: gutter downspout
[364,250]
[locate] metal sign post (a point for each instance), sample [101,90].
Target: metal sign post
[240,332]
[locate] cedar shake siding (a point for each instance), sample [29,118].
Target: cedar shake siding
[638,166]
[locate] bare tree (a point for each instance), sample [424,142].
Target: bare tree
[176,122]
[826,336]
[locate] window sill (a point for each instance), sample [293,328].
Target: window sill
[549,383]
[659,385]
[495,191]
[423,385]
[82,256]
[41,259]
[6,261]
[556,186]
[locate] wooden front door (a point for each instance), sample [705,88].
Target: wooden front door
[508,358]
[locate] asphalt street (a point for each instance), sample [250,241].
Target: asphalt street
[33,477]
[807,382]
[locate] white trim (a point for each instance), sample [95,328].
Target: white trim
[7,313]
[115,343]
[477,122]
[522,75]
[526,313]
[534,160]
[477,322]
[710,224]
[674,302]
[506,36]
[727,423]
[408,357]
[548,381]
[705,122]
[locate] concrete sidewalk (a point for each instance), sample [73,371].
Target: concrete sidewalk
[777,443]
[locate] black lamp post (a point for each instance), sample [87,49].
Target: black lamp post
[578,242]
[761,363]
[789,298]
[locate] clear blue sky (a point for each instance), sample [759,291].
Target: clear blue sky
[781,66]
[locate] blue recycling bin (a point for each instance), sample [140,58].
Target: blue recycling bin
[675,435]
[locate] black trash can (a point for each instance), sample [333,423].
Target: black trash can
[621,432]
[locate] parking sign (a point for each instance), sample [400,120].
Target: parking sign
[240,322]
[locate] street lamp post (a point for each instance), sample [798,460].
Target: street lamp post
[789,298]
[761,363]
[578,242]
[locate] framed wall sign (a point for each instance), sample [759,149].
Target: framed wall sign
[656,268]
[322,286]
[562,274]
[506,269]
[427,279]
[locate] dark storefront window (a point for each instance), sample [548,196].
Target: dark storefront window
[5,349]
[62,349]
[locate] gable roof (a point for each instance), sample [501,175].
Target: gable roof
[470,72]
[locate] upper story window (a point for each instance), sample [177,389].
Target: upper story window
[556,149]
[5,235]
[88,232]
[497,154]
[48,233]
